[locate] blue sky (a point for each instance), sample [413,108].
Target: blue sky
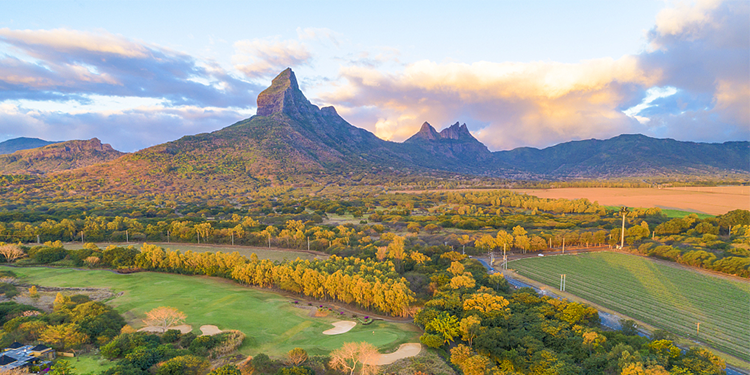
[534,73]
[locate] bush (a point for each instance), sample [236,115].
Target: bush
[201,345]
[9,290]
[49,255]
[171,336]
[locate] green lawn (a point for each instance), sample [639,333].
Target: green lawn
[273,325]
[667,297]
[89,364]
[262,252]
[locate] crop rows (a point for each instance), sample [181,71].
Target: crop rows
[669,298]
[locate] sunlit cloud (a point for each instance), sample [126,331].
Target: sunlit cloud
[505,104]
[262,58]
[68,65]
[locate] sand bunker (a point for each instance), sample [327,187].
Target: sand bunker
[185,328]
[404,351]
[341,327]
[209,330]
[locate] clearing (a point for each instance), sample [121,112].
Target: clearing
[273,324]
[665,296]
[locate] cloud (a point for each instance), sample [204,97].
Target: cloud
[504,104]
[704,49]
[66,65]
[126,130]
[261,58]
[320,34]
[697,53]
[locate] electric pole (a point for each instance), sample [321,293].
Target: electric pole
[623,211]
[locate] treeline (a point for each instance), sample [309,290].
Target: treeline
[367,283]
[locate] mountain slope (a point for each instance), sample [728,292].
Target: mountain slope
[57,157]
[630,155]
[16,144]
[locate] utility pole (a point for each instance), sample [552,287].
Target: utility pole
[624,211]
[562,282]
[167,236]
[81,236]
[127,238]
[232,232]
[697,329]
[308,243]
[37,240]
[269,240]
[563,246]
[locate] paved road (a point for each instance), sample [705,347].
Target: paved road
[608,320]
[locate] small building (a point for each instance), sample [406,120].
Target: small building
[17,355]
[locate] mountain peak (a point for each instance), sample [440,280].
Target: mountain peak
[425,133]
[283,95]
[456,131]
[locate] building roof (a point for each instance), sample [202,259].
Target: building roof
[39,348]
[15,345]
[4,360]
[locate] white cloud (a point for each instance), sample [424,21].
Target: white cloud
[261,57]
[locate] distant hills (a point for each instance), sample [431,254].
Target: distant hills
[12,145]
[57,157]
[290,137]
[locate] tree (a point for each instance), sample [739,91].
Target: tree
[33,293]
[11,252]
[419,257]
[351,354]
[296,356]
[487,304]
[445,325]
[62,367]
[164,317]
[469,327]
[63,336]
[504,239]
[486,242]
[456,268]
[226,370]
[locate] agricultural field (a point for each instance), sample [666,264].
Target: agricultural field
[273,324]
[274,254]
[665,296]
[707,200]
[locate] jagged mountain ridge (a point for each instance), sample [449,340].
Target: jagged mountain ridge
[22,143]
[289,136]
[57,157]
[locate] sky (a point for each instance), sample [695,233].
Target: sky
[519,73]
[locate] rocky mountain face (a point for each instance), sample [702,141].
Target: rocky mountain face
[57,157]
[454,142]
[17,144]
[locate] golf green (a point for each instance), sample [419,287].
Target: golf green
[273,325]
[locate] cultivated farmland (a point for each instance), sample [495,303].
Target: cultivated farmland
[710,200]
[665,296]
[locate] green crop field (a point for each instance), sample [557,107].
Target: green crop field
[273,325]
[273,254]
[669,297]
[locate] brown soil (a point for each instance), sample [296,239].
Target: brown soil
[709,200]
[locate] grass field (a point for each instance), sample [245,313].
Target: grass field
[89,364]
[273,325]
[262,252]
[665,296]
